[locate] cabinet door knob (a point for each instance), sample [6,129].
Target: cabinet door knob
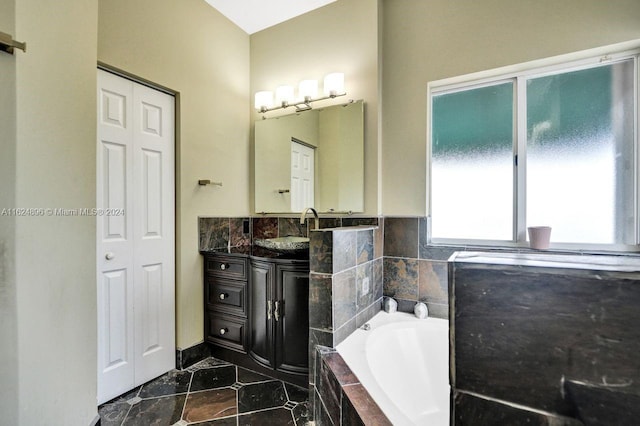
[276,310]
[223,266]
[109,256]
[268,309]
[224,330]
[223,296]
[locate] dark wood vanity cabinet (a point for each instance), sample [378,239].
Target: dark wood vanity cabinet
[279,317]
[225,299]
[257,313]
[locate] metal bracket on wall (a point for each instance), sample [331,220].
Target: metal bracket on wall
[205,182]
[8,44]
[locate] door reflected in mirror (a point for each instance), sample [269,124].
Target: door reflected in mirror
[311,159]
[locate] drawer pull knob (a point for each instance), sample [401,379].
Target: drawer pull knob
[223,330]
[224,266]
[223,296]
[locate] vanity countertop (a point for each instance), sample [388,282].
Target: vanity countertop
[259,252]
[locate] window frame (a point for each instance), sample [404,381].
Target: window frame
[519,75]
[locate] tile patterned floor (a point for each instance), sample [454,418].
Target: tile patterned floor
[210,393]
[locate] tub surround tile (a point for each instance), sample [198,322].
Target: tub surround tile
[401,278]
[540,324]
[437,310]
[364,245]
[320,296]
[344,297]
[343,332]
[401,237]
[369,312]
[473,410]
[261,396]
[330,391]
[265,227]
[325,222]
[317,339]
[597,404]
[320,413]
[378,239]
[341,371]
[358,400]
[360,221]
[438,253]
[365,286]
[199,407]
[289,226]
[237,236]
[344,250]
[321,252]
[433,283]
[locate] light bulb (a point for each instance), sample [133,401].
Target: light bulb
[264,100]
[334,84]
[308,89]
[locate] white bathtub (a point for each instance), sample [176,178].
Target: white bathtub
[404,364]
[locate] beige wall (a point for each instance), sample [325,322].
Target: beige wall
[8,311]
[432,40]
[342,36]
[190,48]
[55,168]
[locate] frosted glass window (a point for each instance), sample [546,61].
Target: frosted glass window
[472,163]
[580,154]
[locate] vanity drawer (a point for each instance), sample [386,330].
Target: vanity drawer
[226,266]
[226,295]
[225,331]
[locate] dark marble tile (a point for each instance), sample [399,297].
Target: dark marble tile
[209,362]
[320,306]
[214,232]
[359,221]
[345,331]
[259,396]
[185,358]
[364,246]
[344,250]
[295,393]
[406,305]
[598,404]
[423,235]
[344,297]
[209,405]
[401,236]
[125,396]
[317,364]
[265,227]
[539,324]
[113,414]
[212,378]
[302,414]
[291,226]
[227,421]
[472,410]
[237,236]
[400,278]
[321,338]
[339,369]
[321,252]
[248,376]
[365,407]
[365,286]
[432,282]
[437,310]
[369,312]
[438,253]
[170,383]
[277,416]
[378,277]
[350,416]
[320,414]
[330,391]
[165,410]
[325,222]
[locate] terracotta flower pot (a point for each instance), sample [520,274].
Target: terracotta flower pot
[539,236]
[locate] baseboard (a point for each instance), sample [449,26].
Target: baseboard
[185,358]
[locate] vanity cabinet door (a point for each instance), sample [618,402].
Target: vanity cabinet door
[292,327]
[261,313]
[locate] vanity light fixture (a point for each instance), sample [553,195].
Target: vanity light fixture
[307,93]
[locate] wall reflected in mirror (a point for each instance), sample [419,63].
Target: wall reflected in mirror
[313,158]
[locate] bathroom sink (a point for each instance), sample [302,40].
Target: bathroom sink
[284,244]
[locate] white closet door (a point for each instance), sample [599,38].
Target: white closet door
[302,176]
[135,235]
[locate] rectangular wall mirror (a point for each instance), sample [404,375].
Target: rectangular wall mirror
[313,158]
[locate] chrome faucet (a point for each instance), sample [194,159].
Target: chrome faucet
[315,215]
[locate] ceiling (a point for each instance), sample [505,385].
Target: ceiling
[255,15]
